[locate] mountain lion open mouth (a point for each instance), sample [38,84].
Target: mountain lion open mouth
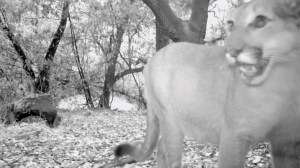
[254,69]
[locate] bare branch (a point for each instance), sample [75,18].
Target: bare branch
[136,82]
[127,72]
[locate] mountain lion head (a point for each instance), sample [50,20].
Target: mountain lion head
[234,96]
[260,34]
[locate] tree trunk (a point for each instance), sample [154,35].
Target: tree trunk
[161,39]
[41,82]
[192,30]
[108,83]
[110,80]
[85,84]
[112,52]
[26,63]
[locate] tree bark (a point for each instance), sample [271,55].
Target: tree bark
[192,30]
[111,67]
[26,63]
[41,82]
[127,72]
[85,84]
[161,39]
[112,53]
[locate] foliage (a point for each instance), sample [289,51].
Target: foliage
[34,23]
[29,22]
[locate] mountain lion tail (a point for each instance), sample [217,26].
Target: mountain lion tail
[141,153]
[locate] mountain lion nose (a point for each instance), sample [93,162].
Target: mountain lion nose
[234,52]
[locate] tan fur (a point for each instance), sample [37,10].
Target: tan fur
[191,91]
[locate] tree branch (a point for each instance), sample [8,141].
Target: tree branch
[192,30]
[165,17]
[141,60]
[127,72]
[42,82]
[199,16]
[59,32]
[100,45]
[26,62]
[136,82]
[85,84]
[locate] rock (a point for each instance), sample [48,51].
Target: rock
[33,105]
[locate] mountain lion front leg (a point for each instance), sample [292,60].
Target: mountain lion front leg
[233,150]
[286,155]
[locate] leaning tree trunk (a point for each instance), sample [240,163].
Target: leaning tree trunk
[84,82]
[41,82]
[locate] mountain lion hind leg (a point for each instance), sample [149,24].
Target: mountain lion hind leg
[170,146]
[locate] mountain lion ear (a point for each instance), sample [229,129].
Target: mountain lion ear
[295,7]
[288,9]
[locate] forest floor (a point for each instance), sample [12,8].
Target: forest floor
[87,138]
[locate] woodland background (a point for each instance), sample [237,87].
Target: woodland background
[92,47]
[95,50]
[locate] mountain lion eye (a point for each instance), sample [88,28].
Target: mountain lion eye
[229,25]
[260,21]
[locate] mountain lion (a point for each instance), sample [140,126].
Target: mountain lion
[234,96]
